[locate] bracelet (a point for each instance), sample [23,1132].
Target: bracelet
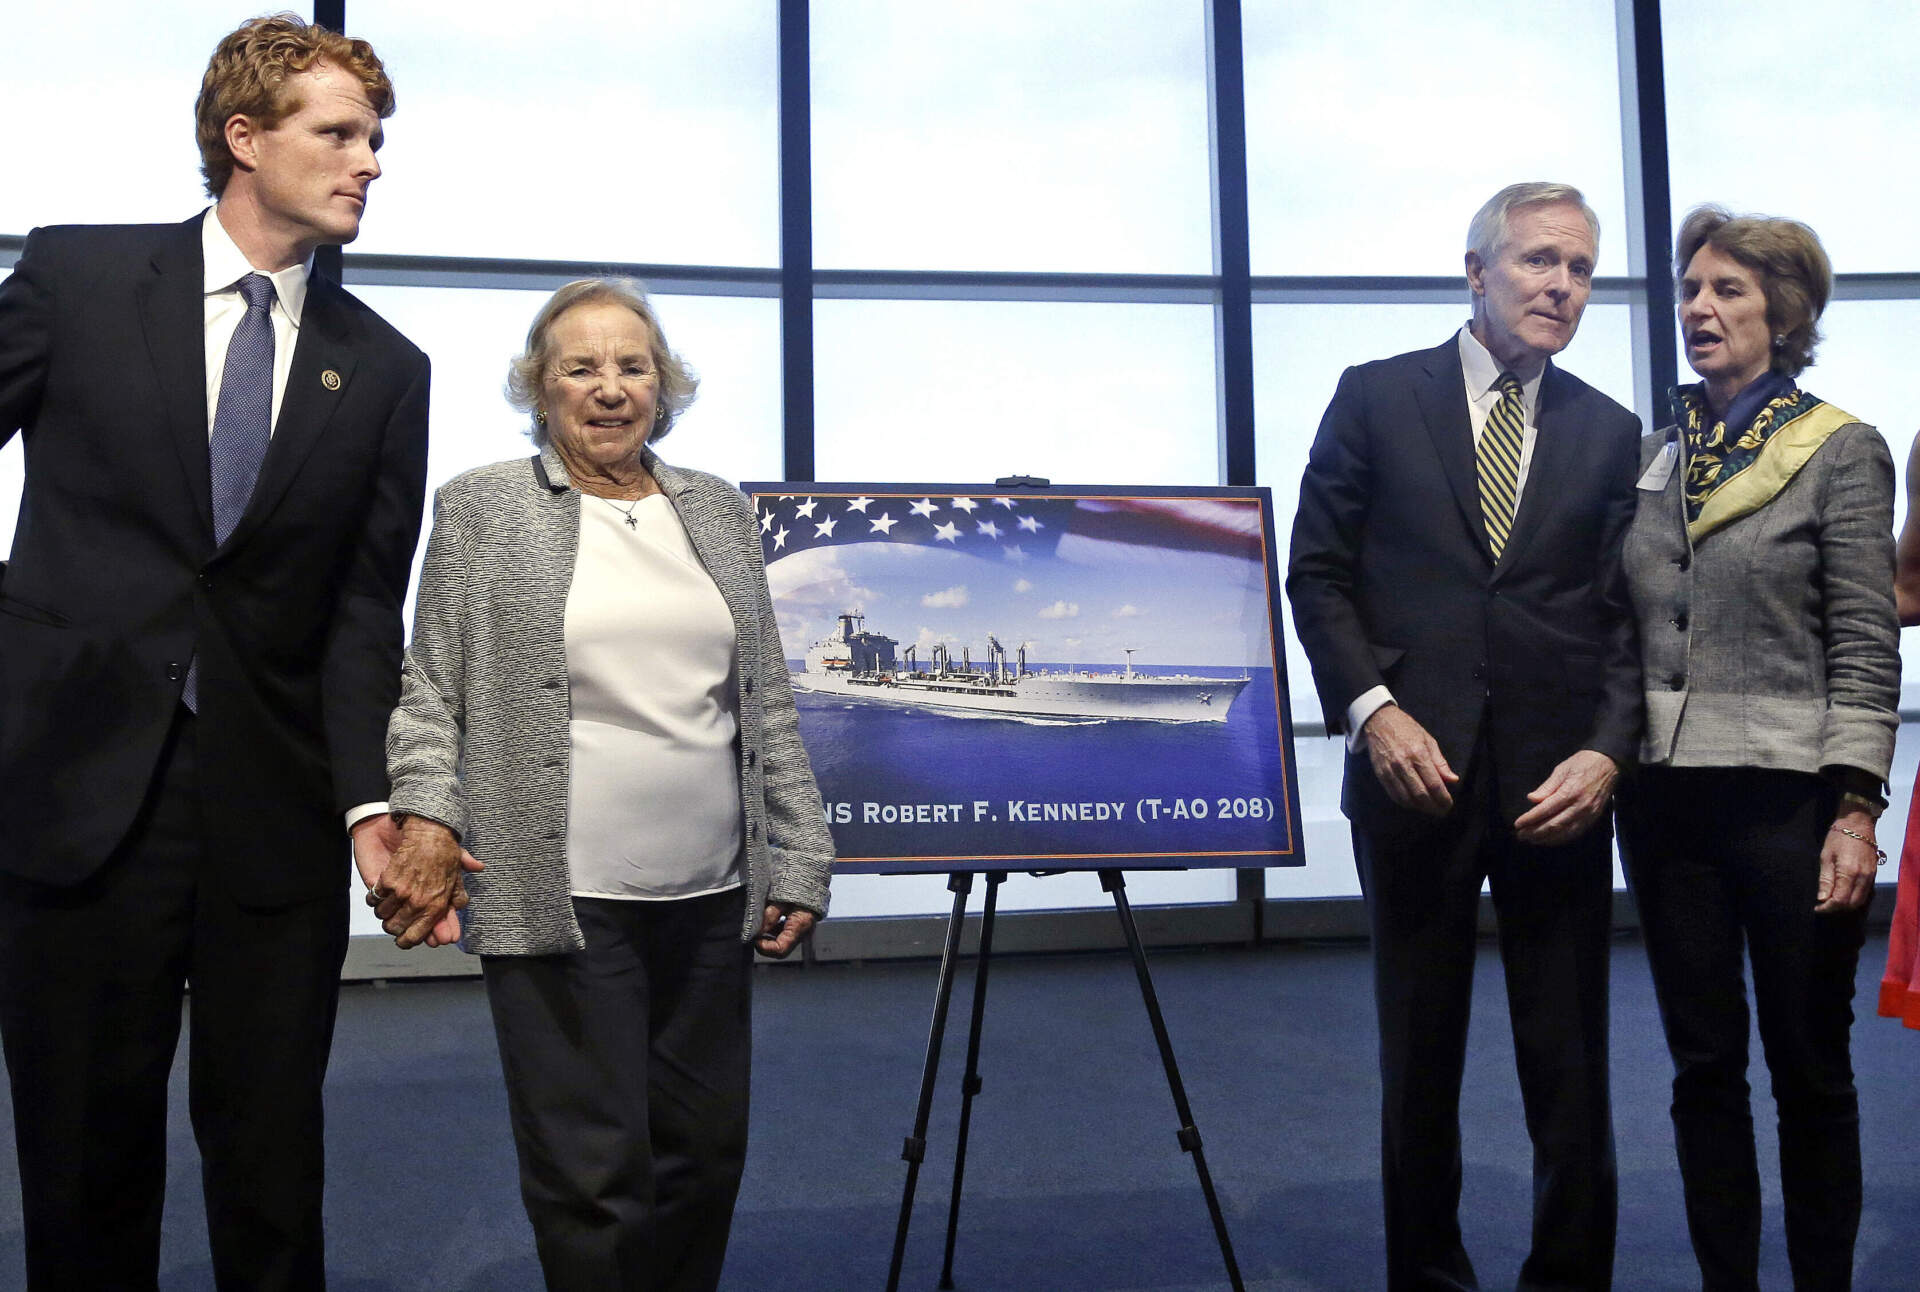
[1879,853]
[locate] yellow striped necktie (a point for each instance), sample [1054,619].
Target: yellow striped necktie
[1498,456]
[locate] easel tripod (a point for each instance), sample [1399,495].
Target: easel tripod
[960,884]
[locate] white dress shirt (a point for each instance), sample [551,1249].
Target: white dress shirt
[225,265]
[1480,375]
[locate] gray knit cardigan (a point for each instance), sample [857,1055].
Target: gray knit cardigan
[480,739]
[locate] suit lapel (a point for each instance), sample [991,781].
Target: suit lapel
[173,318]
[1555,441]
[321,374]
[1442,397]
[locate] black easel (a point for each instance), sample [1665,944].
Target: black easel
[960,884]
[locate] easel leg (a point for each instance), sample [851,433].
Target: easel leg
[914,1151]
[1113,882]
[970,1085]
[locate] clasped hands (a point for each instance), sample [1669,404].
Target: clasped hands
[1408,762]
[415,878]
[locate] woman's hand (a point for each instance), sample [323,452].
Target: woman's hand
[420,888]
[1848,863]
[783,927]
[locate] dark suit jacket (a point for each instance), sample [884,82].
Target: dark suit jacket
[115,582]
[1392,580]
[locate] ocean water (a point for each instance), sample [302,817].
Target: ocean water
[914,789]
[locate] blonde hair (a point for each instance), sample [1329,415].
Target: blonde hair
[678,384]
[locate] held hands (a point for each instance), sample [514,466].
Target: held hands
[783,927]
[414,880]
[1847,863]
[1408,763]
[1569,801]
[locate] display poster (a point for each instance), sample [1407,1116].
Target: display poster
[1037,679]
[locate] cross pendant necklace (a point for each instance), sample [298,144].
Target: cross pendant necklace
[626,512]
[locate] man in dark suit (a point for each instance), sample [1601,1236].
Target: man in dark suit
[1456,582]
[199,649]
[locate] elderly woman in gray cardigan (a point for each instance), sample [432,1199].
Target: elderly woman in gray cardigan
[1761,567]
[595,704]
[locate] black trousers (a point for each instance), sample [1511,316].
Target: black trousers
[1718,858]
[1422,883]
[627,1068]
[91,980]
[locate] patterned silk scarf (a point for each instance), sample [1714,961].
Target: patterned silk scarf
[1737,465]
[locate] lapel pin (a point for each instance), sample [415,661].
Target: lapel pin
[330,379]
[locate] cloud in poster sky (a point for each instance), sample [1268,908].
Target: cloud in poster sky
[946,599]
[1022,585]
[1060,610]
[1127,611]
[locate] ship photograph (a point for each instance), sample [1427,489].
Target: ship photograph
[864,665]
[1061,677]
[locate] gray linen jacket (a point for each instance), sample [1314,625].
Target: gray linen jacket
[1774,642]
[479,741]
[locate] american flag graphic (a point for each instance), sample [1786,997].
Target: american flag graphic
[1000,526]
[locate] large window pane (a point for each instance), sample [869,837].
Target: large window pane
[100,102]
[634,134]
[1776,107]
[1376,128]
[1865,366]
[956,391]
[1011,135]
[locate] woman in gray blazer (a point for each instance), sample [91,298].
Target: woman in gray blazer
[596,705]
[1761,566]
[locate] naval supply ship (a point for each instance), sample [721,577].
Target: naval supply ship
[854,662]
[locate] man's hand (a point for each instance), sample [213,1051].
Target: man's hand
[1847,864]
[374,839]
[783,927]
[1569,801]
[419,890]
[1409,764]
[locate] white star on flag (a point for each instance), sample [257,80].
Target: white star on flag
[990,529]
[766,521]
[1031,525]
[948,533]
[922,508]
[825,528]
[963,504]
[883,525]
[779,538]
[805,510]
[860,505]
[1003,502]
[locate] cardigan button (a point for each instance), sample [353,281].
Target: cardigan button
[746,684]
[1677,682]
[1679,621]
[752,757]
[551,684]
[1683,561]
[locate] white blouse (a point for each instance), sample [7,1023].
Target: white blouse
[654,807]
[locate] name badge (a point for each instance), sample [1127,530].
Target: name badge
[1656,476]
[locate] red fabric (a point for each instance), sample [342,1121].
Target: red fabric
[1900,984]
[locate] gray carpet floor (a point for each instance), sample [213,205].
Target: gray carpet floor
[1075,1180]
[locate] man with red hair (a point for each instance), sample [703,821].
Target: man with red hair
[199,646]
